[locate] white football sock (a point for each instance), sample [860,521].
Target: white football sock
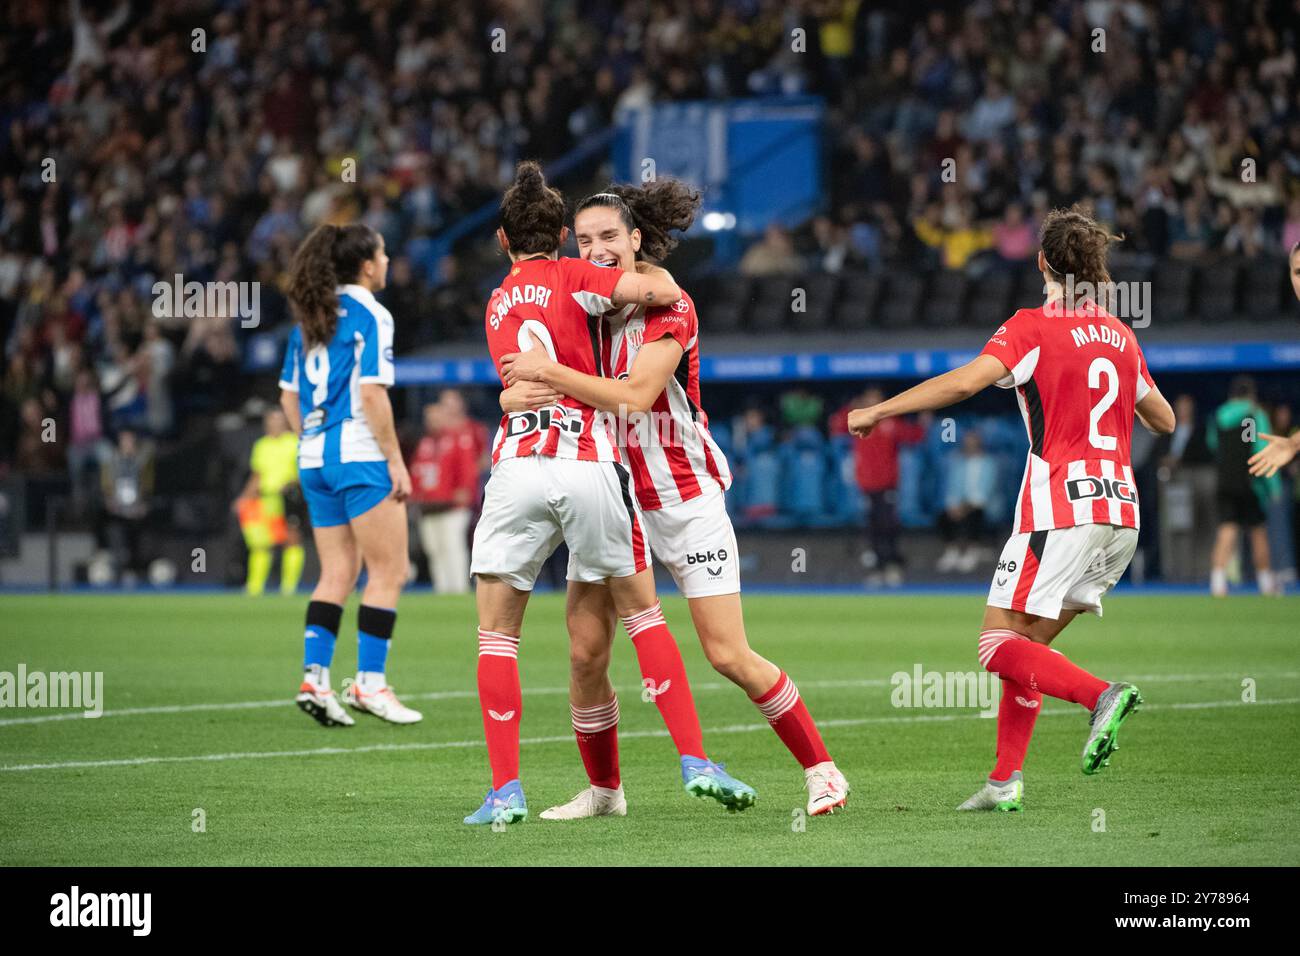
[371,681]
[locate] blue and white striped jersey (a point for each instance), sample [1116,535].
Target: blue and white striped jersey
[328,380]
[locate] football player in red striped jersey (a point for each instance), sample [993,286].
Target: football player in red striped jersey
[650,360]
[1079,378]
[557,475]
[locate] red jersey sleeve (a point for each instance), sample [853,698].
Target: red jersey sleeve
[591,285]
[1015,345]
[677,321]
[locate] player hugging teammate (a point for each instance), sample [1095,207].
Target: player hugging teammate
[649,377]
[1079,377]
[557,475]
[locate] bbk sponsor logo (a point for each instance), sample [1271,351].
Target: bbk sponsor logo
[1081,489]
[1005,570]
[707,557]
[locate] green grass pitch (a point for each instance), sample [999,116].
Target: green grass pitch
[198,689]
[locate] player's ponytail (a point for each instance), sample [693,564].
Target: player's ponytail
[1075,244]
[328,257]
[659,208]
[532,213]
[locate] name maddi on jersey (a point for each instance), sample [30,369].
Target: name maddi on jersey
[539,295]
[1084,334]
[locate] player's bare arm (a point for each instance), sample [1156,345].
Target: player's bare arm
[379,414]
[527,397]
[932,394]
[648,378]
[1277,454]
[1155,413]
[289,405]
[649,285]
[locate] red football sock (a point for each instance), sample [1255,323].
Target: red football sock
[789,717]
[1016,716]
[1038,667]
[500,699]
[664,676]
[597,731]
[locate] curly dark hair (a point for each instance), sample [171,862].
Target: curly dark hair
[658,208]
[532,213]
[1076,244]
[328,257]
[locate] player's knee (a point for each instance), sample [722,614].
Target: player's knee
[338,581]
[728,660]
[588,663]
[392,571]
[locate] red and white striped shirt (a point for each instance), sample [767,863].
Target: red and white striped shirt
[670,451]
[559,301]
[1078,375]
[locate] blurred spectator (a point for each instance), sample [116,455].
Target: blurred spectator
[38,450]
[774,254]
[270,507]
[126,476]
[876,470]
[157,359]
[1242,501]
[971,482]
[85,438]
[1013,236]
[801,407]
[444,481]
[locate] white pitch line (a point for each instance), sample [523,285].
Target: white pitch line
[623,735]
[472,694]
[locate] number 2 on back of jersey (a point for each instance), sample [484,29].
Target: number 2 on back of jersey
[1102,366]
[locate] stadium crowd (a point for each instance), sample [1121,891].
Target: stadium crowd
[139,141]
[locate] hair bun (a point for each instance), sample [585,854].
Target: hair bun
[528,176]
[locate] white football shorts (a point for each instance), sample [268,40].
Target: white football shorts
[695,541]
[531,504]
[1045,572]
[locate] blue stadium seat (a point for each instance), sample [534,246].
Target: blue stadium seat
[803,473]
[845,502]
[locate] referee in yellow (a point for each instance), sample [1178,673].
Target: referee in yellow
[269,507]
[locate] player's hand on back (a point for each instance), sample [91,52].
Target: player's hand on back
[527,366]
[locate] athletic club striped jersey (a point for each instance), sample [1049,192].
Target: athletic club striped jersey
[671,454]
[559,301]
[1078,375]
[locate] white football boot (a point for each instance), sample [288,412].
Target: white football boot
[592,802]
[827,788]
[322,705]
[1005,795]
[383,703]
